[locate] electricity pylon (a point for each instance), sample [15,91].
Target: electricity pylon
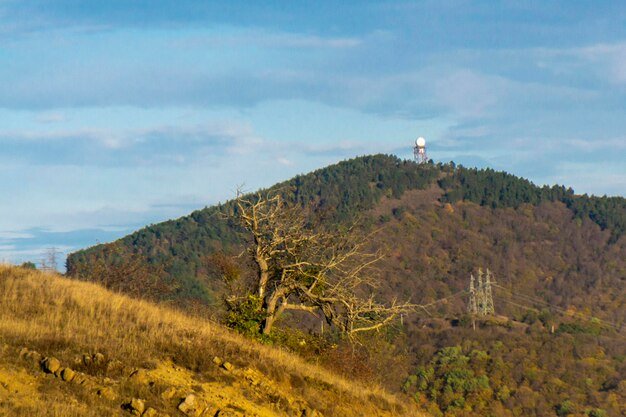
[481,298]
[480,293]
[487,296]
[472,308]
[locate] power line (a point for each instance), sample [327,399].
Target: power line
[440,300]
[560,309]
[456,294]
[521,305]
[479,304]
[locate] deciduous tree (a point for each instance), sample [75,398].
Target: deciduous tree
[303,266]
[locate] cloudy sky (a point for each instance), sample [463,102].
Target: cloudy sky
[120,113]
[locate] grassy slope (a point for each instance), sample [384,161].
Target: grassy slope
[65,319]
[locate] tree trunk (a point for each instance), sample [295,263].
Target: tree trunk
[273,310]
[268,324]
[264,274]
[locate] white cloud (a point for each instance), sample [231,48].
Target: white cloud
[51,117]
[266,39]
[608,58]
[608,144]
[119,146]
[604,61]
[470,94]
[11,235]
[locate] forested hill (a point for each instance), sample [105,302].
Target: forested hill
[337,193]
[555,346]
[178,249]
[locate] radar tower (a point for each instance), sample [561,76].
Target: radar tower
[419,151]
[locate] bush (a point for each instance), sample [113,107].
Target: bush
[565,408]
[28,265]
[246,315]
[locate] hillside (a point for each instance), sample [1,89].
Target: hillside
[559,261]
[180,247]
[116,349]
[376,188]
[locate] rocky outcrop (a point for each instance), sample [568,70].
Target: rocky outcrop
[68,375]
[190,406]
[135,406]
[50,365]
[196,403]
[169,393]
[310,412]
[31,356]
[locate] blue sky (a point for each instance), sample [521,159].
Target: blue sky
[121,113]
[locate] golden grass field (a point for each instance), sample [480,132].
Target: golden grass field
[59,317]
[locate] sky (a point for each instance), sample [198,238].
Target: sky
[122,113]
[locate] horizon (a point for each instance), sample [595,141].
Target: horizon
[119,115]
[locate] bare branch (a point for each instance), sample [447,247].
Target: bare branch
[324,271]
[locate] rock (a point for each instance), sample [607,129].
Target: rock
[189,405]
[67,374]
[217,360]
[87,359]
[34,357]
[310,412]
[79,378]
[253,377]
[136,406]
[50,365]
[107,393]
[57,373]
[31,356]
[150,412]
[23,353]
[99,359]
[228,366]
[169,393]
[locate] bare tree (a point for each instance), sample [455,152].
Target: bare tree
[306,267]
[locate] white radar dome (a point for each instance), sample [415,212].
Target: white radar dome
[421,142]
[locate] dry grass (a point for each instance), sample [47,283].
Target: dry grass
[65,318]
